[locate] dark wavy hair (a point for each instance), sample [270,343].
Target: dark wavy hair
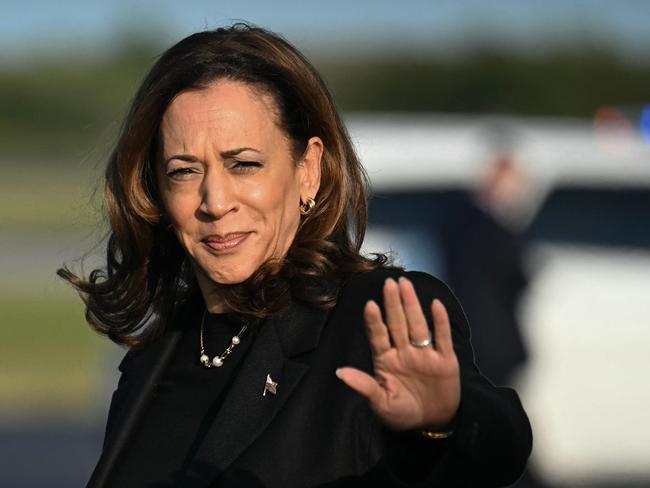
[147,273]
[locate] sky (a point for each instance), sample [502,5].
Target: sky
[440,25]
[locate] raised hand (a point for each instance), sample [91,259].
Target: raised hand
[413,387]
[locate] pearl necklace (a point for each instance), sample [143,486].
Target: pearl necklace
[217,361]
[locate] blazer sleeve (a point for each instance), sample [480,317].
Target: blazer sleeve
[492,437]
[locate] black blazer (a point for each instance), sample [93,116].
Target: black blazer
[316,431]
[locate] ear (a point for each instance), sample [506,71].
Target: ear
[309,168]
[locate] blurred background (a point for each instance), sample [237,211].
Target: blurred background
[508,145]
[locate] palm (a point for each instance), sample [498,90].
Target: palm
[412,387]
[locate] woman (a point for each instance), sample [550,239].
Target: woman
[264,349]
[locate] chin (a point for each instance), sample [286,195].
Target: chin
[226,278]
[229,274]
[220,274]
[228,269]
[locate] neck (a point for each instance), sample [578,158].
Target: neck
[215,307]
[211,292]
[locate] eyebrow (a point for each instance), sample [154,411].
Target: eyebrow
[235,152]
[224,155]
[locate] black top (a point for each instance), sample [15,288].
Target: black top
[184,404]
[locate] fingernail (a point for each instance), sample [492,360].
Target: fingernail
[338,373]
[404,279]
[389,280]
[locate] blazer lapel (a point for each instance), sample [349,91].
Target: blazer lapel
[155,361]
[246,411]
[134,408]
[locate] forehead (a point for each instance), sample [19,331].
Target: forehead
[223,104]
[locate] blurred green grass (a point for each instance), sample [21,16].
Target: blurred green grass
[35,198]
[48,356]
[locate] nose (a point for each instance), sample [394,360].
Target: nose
[218,195]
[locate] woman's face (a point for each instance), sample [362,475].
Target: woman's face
[229,182]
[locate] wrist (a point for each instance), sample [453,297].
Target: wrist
[440,431]
[437,434]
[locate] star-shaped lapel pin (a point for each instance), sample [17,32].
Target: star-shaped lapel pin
[270,385]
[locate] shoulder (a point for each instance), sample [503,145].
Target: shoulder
[373,279]
[358,288]
[369,285]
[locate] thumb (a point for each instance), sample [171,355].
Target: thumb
[361,382]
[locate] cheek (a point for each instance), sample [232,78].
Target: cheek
[278,211]
[286,206]
[179,211]
[173,207]
[275,201]
[290,210]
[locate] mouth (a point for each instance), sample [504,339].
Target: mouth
[225,242]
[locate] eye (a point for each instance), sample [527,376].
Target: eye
[246,166]
[180,173]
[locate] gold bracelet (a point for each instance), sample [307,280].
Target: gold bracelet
[436,435]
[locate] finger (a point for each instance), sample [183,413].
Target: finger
[362,383]
[417,323]
[395,317]
[444,344]
[376,329]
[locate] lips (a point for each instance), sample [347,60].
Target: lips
[225,242]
